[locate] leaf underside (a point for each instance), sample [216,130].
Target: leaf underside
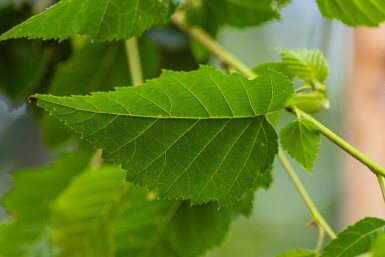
[356,239]
[354,13]
[200,135]
[301,140]
[99,20]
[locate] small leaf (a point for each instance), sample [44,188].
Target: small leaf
[378,246]
[99,20]
[355,239]
[308,65]
[197,135]
[298,253]
[354,13]
[301,140]
[30,202]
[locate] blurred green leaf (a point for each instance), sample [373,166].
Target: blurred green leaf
[211,14]
[355,239]
[354,13]
[308,65]
[100,20]
[301,140]
[23,65]
[178,122]
[378,246]
[157,228]
[83,216]
[30,202]
[94,67]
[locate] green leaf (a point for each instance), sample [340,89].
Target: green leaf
[30,202]
[308,65]
[301,140]
[354,13]
[197,135]
[23,65]
[93,67]
[83,216]
[99,20]
[355,239]
[378,246]
[157,228]
[298,253]
[211,14]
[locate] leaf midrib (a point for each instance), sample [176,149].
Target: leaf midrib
[152,116]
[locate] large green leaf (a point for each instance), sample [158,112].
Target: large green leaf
[99,20]
[355,239]
[30,202]
[301,140]
[83,216]
[197,135]
[308,65]
[157,228]
[211,14]
[354,13]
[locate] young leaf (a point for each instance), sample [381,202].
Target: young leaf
[101,20]
[301,140]
[308,65]
[199,135]
[157,228]
[277,66]
[355,239]
[378,246]
[30,202]
[298,253]
[83,216]
[354,13]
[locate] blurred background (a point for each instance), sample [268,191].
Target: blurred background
[279,220]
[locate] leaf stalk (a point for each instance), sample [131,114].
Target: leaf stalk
[134,62]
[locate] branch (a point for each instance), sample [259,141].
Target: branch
[211,45]
[305,196]
[134,63]
[374,167]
